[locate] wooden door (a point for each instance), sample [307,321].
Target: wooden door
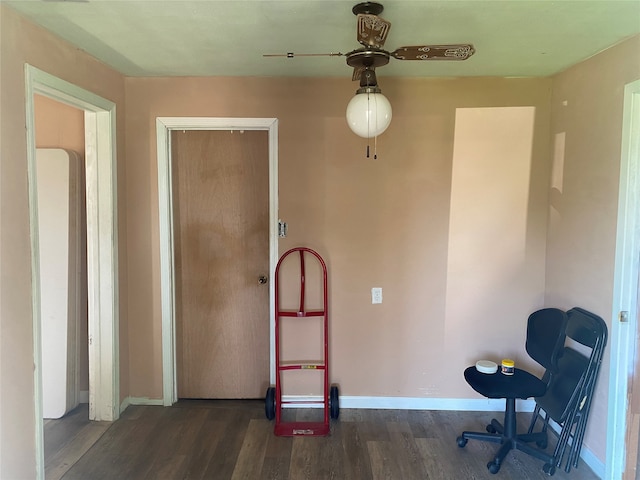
[221,236]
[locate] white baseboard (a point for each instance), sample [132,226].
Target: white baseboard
[125,403]
[586,455]
[411,403]
[139,401]
[293,399]
[593,462]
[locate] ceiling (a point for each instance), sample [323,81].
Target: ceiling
[228,38]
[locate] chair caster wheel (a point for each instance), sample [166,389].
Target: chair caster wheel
[491,429]
[462,442]
[542,444]
[549,469]
[493,467]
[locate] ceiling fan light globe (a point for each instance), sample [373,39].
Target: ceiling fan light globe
[369,114]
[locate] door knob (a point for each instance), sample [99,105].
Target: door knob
[262,279]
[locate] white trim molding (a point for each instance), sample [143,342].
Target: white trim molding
[625,288]
[413,403]
[140,401]
[164,126]
[409,403]
[102,248]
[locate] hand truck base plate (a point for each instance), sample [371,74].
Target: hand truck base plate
[307,429]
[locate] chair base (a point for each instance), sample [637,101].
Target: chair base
[508,438]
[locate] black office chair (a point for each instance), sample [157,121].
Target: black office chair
[545,338]
[568,398]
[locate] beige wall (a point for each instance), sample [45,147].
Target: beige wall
[587,119]
[58,125]
[22,42]
[378,223]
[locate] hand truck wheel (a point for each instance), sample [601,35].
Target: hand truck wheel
[270,403]
[334,402]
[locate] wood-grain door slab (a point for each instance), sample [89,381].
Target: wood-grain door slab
[221,230]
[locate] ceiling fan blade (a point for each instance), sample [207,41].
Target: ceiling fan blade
[372,30]
[435,52]
[291,54]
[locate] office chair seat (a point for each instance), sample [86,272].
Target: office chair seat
[545,337]
[521,384]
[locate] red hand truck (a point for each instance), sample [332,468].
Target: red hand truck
[330,396]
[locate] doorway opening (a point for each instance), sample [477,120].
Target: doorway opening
[63,289]
[623,381]
[102,288]
[164,127]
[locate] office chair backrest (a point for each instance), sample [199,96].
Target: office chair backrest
[545,336]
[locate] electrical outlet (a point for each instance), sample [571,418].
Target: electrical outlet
[376,295]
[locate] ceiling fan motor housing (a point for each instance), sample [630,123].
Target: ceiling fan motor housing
[368,8]
[367,58]
[368,82]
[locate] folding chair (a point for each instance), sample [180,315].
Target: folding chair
[567,400]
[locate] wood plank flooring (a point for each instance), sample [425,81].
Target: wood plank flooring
[68,439]
[233,440]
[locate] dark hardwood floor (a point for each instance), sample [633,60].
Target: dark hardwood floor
[234,440]
[68,439]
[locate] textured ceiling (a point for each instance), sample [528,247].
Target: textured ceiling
[228,38]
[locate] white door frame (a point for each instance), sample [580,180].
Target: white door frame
[164,126]
[625,293]
[102,246]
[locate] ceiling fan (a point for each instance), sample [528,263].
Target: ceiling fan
[372,31]
[369,112]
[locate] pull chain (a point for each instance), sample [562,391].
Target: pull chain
[368,121]
[375,147]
